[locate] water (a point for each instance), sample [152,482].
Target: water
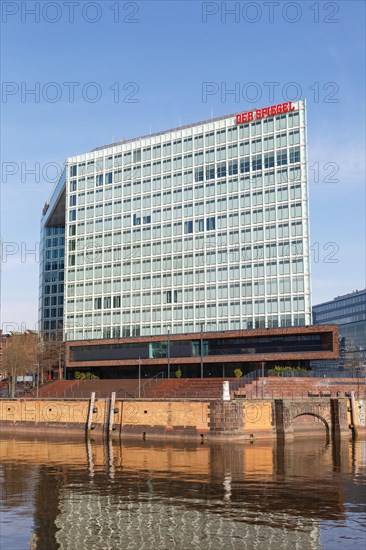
[145,495]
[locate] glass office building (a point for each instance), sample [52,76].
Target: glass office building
[349,313]
[204,227]
[52,268]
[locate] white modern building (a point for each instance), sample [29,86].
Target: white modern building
[201,228]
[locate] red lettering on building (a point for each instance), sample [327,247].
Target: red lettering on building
[241,118]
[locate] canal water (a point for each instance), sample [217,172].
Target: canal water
[69,494]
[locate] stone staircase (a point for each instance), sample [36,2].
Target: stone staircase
[79,389]
[188,388]
[295,387]
[206,388]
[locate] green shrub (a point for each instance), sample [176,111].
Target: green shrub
[278,370]
[85,376]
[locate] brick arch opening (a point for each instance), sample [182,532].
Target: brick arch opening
[309,423]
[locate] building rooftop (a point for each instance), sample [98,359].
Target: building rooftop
[352,294]
[184,127]
[162,132]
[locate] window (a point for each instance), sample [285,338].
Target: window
[210,224]
[198,142]
[210,172]
[136,219]
[198,174]
[281,140]
[187,144]
[269,160]
[282,158]
[200,225]
[188,227]
[177,147]
[257,146]
[221,136]
[210,139]
[233,167]
[116,301]
[257,163]
[72,215]
[221,170]
[294,155]
[245,165]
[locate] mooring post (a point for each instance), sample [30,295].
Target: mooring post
[353,415]
[226,390]
[112,402]
[90,413]
[279,418]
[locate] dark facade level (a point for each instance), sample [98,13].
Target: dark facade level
[209,353]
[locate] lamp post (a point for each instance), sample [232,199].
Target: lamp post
[139,377]
[37,378]
[168,353]
[59,366]
[201,341]
[262,379]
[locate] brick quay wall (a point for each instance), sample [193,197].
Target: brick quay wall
[236,420]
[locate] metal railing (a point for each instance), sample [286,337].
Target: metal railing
[244,380]
[254,393]
[336,373]
[148,383]
[299,394]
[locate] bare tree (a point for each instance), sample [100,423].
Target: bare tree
[19,356]
[51,357]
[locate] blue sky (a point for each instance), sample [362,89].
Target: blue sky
[160,57]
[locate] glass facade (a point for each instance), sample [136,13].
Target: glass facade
[52,264]
[349,313]
[52,281]
[284,344]
[203,227]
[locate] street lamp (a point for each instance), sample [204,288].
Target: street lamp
[168,353]
[139,377]
[201,340]
[37,378]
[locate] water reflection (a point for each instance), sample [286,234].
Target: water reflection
[144,495]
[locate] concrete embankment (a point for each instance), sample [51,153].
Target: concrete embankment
[236,420]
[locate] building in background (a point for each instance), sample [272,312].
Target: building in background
[196,230]
[349,313]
